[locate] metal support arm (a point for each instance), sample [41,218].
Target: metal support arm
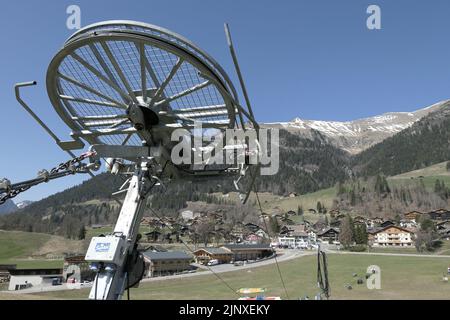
[115,257]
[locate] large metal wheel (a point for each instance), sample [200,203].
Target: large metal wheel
[105,69]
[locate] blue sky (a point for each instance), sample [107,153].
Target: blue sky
[312,59]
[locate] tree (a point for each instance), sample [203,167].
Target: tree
[274,225]
[424,241]
[319,207]
[82,233]
[346,233]
[426,224]
[300,210]
[361,236]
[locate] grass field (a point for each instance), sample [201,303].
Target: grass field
[428,175]
[19,247]
[401,278]
[273,203]
[28,250]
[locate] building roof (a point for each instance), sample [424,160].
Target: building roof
[247,246]
[36,271]
[392,226]
[214,250]
[169,255]
[328,230]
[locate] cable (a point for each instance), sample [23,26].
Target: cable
[275,256]
[218,277]
[96,283]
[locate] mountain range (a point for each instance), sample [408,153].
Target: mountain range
[358,135]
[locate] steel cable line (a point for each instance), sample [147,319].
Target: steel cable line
[276,260]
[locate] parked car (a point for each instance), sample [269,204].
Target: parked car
[213,262]
[239,263]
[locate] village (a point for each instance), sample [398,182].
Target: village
[198,241]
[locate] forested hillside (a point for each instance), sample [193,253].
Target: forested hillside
[425,143]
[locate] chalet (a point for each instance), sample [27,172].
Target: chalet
[147,221]
[295,239]
[412,215]
[409,224]
[249,251]
[439,215]
[237,231]
[359,220]
[320,225]
[26,278]
[289,229]
[293,195]
[261,233]
[293,242]
[443,225]
[203,255]
[391,236]
[374,222]
[253,238]
[153,236]
[443,228]
[252,227]
[4,272]
[328,234]
[187,215]
[166,263]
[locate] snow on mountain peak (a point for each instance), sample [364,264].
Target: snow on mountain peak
[358,135]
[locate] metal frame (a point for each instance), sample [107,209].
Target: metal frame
[139,39]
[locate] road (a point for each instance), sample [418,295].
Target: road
[282,255]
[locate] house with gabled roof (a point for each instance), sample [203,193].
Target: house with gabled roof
[391,236]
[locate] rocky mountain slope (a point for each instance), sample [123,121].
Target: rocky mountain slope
[358,135]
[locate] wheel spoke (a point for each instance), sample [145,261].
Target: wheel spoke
[166,82]
[118,70]
[184,93]
[115,125]
[100,76]
[143,72]
[124,142]
[89,89]
[149,68]
[105,117]
[90,101]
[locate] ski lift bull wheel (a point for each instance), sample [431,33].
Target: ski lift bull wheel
[107,72]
